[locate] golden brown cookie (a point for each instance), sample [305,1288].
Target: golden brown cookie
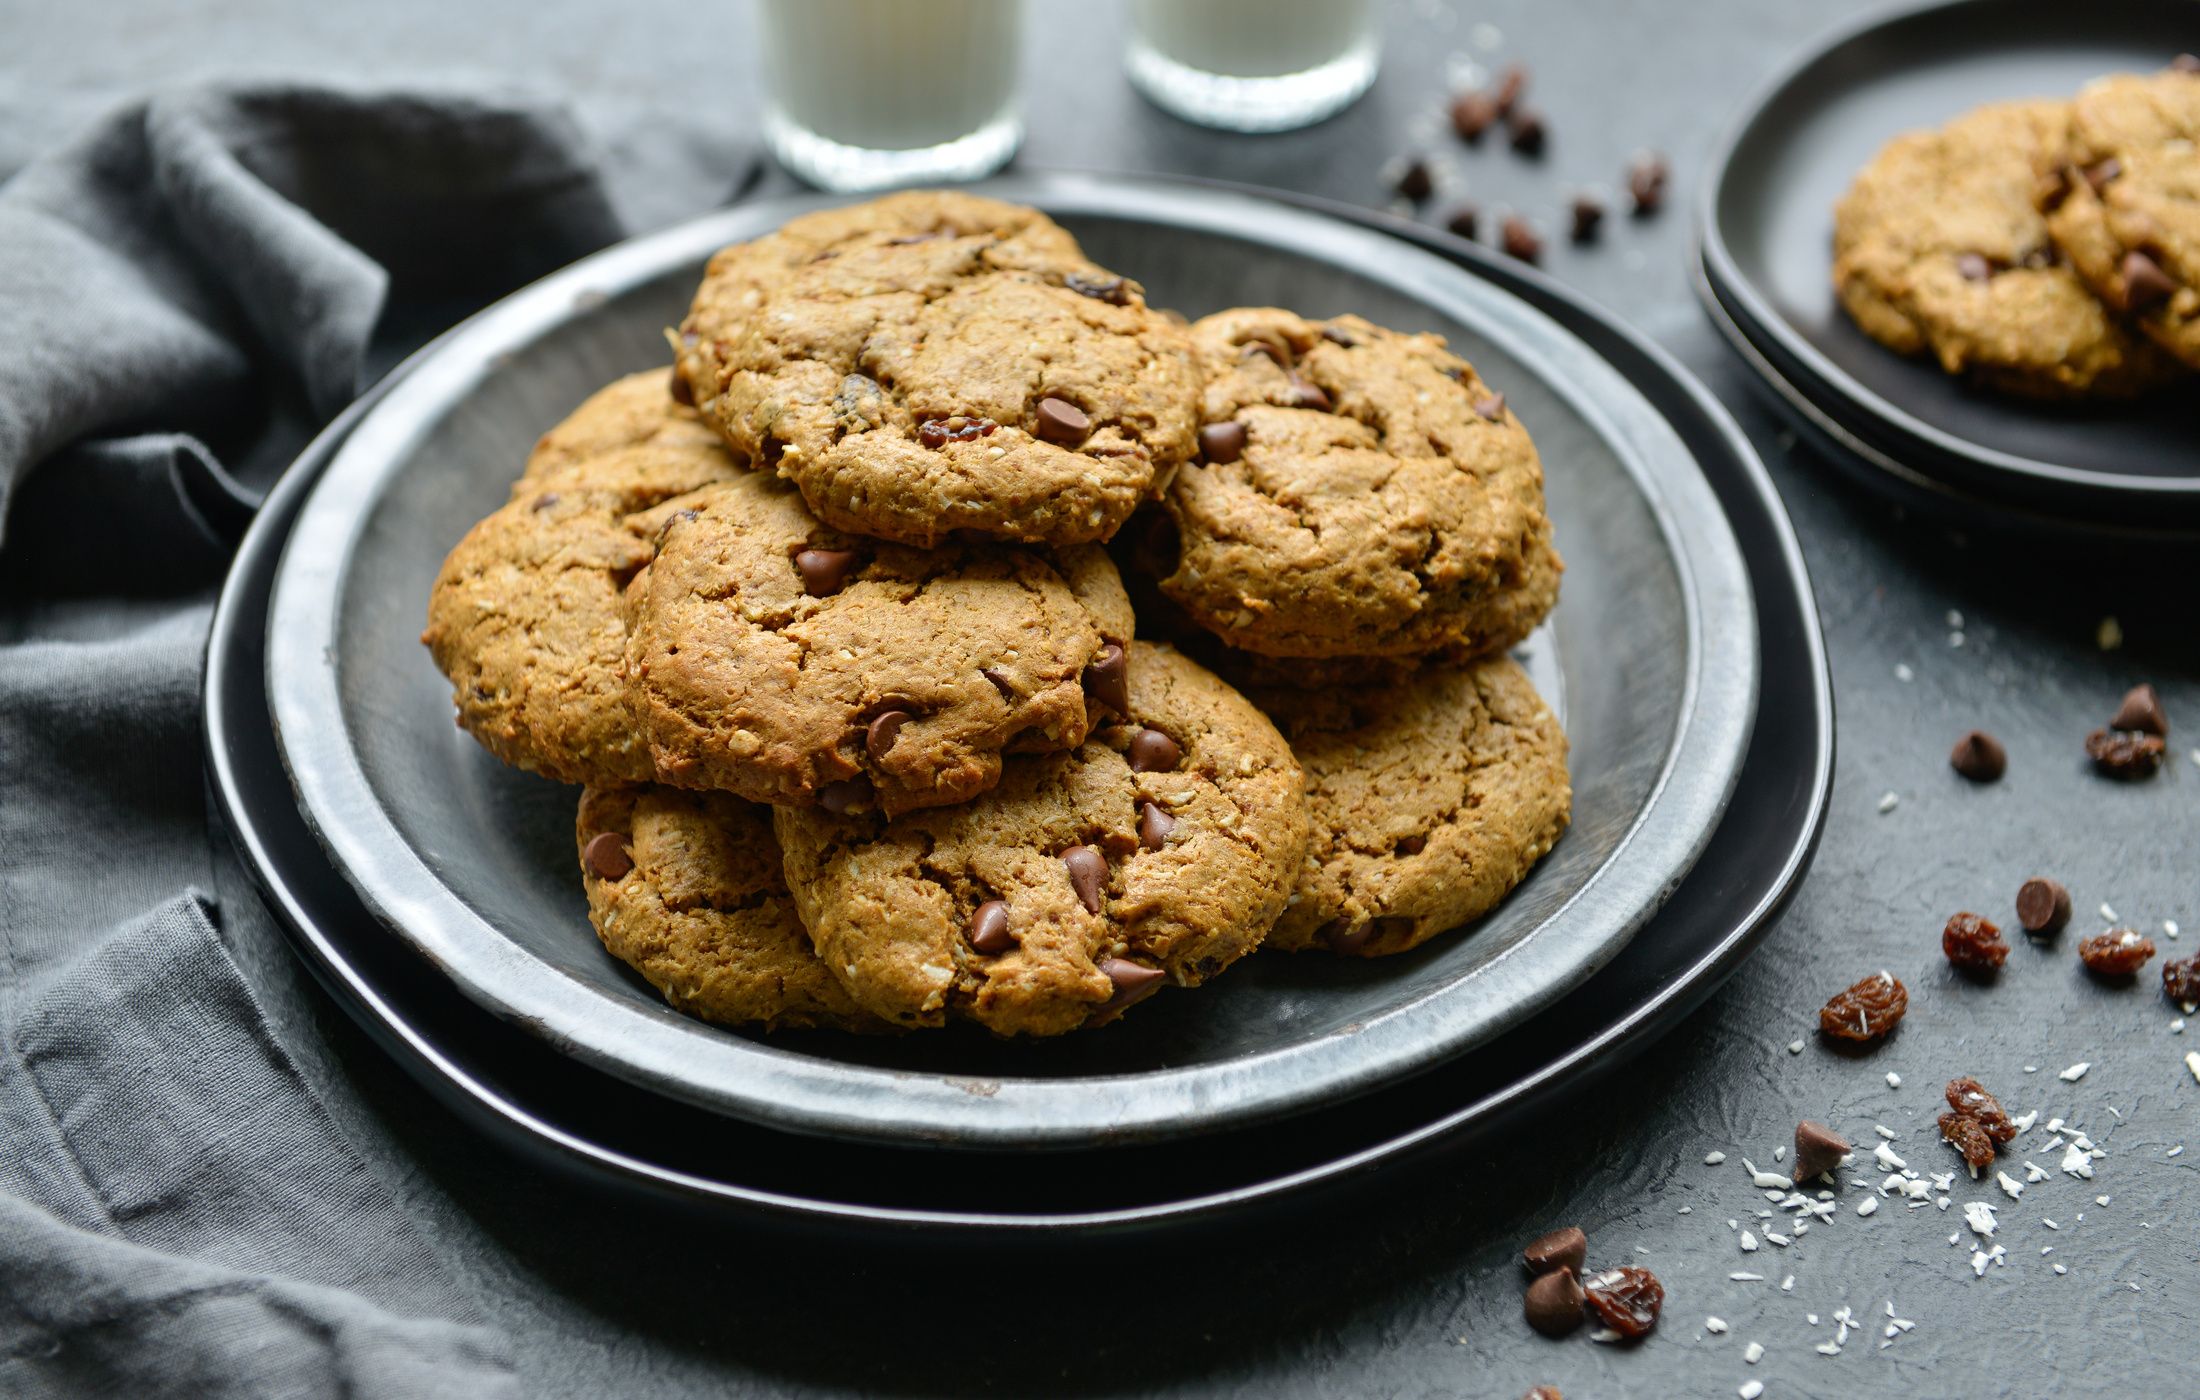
[1360,493]
[1427,803]
[933,364]
[1159,851]
[787,662]
[1939,248]
[2125,208]
[527,619]
[686,889]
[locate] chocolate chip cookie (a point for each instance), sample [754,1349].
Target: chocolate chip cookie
[931,365]
[1939,248]
[788,662]
[2125,206]
[526,617]
[686,889]
[1359,493]
[1158,851]
[1427,802]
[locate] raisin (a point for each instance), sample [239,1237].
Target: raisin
[938,432]
[1973,943]
[1968,1136]
[2116,953]
[1112,290]
[1968,1097]
[2125,753]
[1627,1299]
[1865,1011]
[2181,980]
[1544,1392]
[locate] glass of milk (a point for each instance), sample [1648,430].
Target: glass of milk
[868,94]
[1252,65]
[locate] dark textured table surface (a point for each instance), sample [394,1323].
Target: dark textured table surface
[1412,1290]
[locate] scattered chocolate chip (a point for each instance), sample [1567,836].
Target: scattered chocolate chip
[1222,442]
[1519,239]
[1865,1011]
[1627,1298]
[1979,756]
[1492,407]
[1526,131]
[1473,113]
[1062,422]
[1154,826]
[2142,711]
[1588,212]
[1563,1248]
[682,392]
[1152,751]
[936,433]
[1346,938]
[1465,221]
[824,571]
[1973,267]
[2145,284]
[845,796]
[1818,1150]
[2125,754]
[2185,63]
[1115,291]
[1646,177]
[2181,979]
[1972,943]
[1416,183]
[1134,982]
[879,737]
[1553,1303]
[608,856]
[1307,394]
[1337,337]
[1107,679]
[1088,875]
[2116,953]
[2102,175]
[989,928]
[1511,83]
[2043,905]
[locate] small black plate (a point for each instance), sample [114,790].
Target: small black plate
[1766,226]
[566,1117]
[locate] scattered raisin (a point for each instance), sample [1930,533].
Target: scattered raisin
[1544,1392]
[2125,753]
[2181,980]
[2116,953]
[1865,1011]
[1968,1097]
[936,433]
[1968,1136]
[1626,1299]
[1973,943]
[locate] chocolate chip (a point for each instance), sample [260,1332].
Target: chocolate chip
[1060,421]
[1112,290]
[879,737]
[1344,937]
[989,928]
[607,856]
[544,501]
[1088,875]
[1491,407]
[1520,239]
[1554,1302]
[1275,351]
[1973,267]
[1979,756]
[2043,906]
[1107,679]
[824,571]
[1465,221]
[1154,826]
[1222,442]
[683,393]
[2185,63]
[2141,710]
[1306,393]
[2145,284]
[2125,754]
[2100,175]
[936,433]
[1000,681]
[1410,845]
[1588,212]
[1134,982]
[1563,1248]
[2052,189]
[1473,113]
[1510,85]
[1646,177]
[1415,182]
[1338,337]
[1818,1149]
[845,796]
[1152,751]
[1526,131]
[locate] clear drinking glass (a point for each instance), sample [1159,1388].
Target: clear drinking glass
[867,94]
[1253,65]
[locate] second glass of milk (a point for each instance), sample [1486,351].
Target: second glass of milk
[1252,65]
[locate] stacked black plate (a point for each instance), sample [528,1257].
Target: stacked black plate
[1901,425]
[435,894]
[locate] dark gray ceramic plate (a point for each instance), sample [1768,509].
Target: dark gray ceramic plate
[1652,656]
[1766,242]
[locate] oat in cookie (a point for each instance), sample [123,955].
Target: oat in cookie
[686,888]
[1940,249]
[930,365]
[787,662]
[1159,851]
[1359,493]
[526,617]
[1427,802]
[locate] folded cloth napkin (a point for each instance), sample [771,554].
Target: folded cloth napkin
[185,293]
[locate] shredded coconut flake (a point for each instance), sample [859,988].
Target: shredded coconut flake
[2076,1072]
[1712,1159]
[1753,1353]
[1888,802]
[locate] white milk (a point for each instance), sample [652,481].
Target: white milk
[1252,65]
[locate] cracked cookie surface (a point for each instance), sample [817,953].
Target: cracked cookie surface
[1159,851]
[1360,493]
[2126,207]
[527,618]
[686,889]
[791,663]
[933,364]
[1427,803]
[1939,248]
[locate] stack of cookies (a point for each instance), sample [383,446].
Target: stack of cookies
[872,734]
[2049,249]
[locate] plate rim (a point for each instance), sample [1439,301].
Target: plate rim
[791,1091]
[1752,304]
